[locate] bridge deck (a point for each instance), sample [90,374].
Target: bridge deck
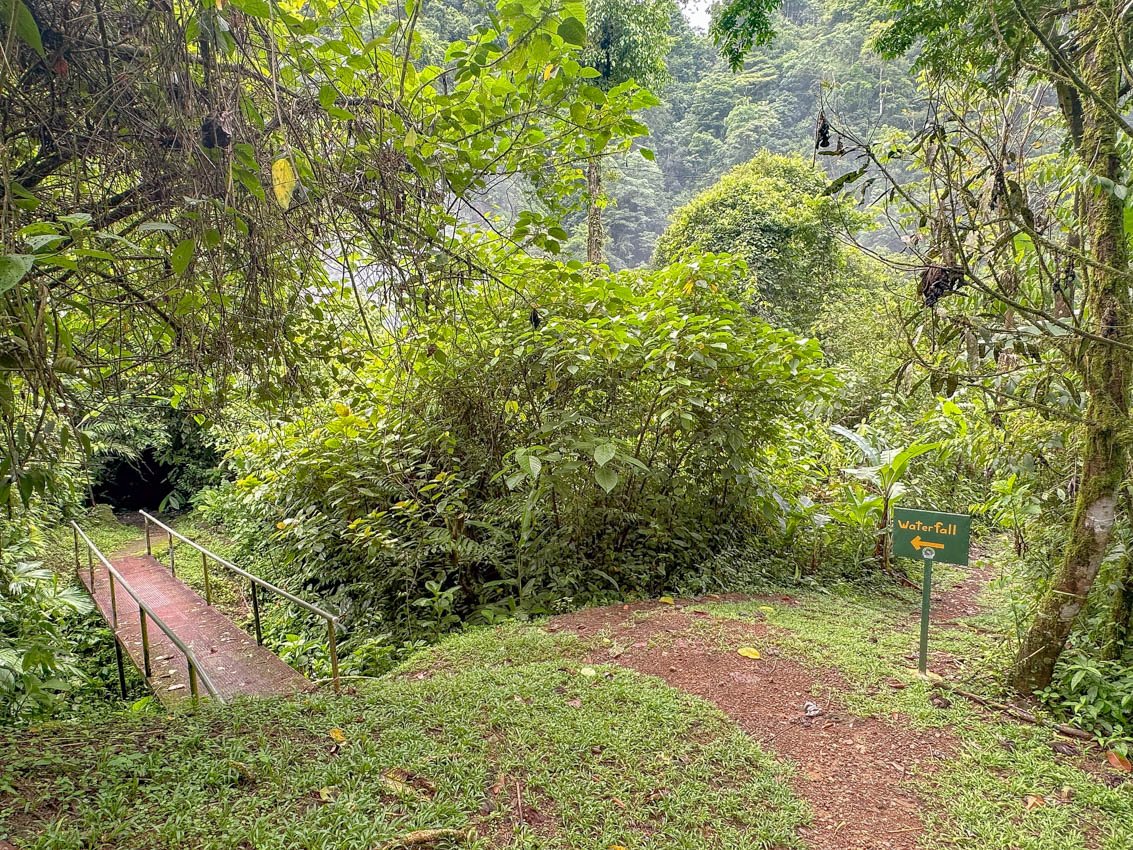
[234,662]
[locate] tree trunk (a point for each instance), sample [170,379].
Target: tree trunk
[1117,630]
[1104,367]
[1120,613]
[594,235]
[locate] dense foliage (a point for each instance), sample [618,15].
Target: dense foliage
[322,265]
[773,213]
[605,441]
[712,119]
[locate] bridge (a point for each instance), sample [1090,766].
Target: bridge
[183,646]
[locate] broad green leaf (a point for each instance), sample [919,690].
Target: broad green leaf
[182,255]
[603,454]
[150,226]
[17,18]
[13,268]
[255,8]
[606,477]
[573,31]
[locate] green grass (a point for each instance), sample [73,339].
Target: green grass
[979,797]
[104,531]
[610,759]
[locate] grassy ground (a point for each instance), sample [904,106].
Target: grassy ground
[105,532]
[509,719]
[1006,788]
[492,721]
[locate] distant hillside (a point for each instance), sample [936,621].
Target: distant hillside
[712,119]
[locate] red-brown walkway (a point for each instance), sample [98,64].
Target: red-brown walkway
[232,660]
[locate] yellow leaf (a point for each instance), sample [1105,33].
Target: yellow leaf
[749,652]
[327,793]
[667,600]
[548,72]
[337,735]
[616,847]
[766,609]
[281,525]
[588,672]
[341,409]
[283,181]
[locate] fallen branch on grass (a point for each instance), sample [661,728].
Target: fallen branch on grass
[1025,716]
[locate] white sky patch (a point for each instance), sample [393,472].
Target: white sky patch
[698,13]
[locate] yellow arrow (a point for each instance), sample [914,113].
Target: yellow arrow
[919,544]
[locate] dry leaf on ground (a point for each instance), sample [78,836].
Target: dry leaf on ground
[1118,762]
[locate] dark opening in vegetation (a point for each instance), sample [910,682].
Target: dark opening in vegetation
[131,484]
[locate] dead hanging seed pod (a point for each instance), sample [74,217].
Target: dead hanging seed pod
[938,281]
[214,134]
[821,132]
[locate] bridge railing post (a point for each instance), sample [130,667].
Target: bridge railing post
[205,570]
[333,642]
[149,548]
[146,668]
[172,568]
[113,600]
[256,614]
[121,666]
[75,534]
[193,680]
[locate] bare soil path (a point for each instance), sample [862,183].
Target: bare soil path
[853,771]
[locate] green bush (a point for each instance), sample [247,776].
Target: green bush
[557,440]
[35,662]
[773,213]
[1095,694]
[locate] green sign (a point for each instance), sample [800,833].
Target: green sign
[931,536]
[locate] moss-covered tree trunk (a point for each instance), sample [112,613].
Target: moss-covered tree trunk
[1104,366]
[1120,615]
[594,235]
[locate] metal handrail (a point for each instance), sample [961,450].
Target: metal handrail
[144,610]
[255,581]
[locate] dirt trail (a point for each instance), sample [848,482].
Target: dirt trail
[853,771]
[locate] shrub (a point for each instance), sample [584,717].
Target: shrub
[773,212]
[1096,695]
[564,439]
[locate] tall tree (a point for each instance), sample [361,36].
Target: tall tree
[770,212]
[626,42]
[176,181]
